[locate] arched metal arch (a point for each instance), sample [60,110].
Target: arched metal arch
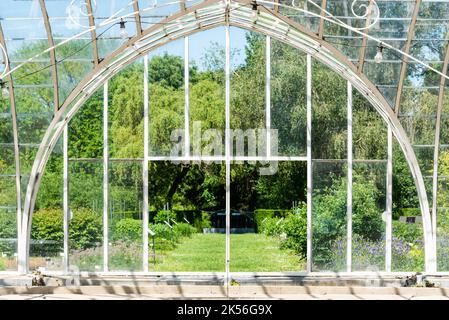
[208,15]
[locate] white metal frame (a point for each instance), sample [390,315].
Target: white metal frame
[287,31]
[349,178]
[106,177]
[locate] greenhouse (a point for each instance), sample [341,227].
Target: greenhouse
[224,136]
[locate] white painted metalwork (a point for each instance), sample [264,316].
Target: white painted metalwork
[349,177]
[105,177]
[309,164]
[389,201]
[268,92]
[146,130]
[66,199]
[186,98]
[228,150]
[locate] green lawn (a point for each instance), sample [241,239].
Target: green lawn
[249,253]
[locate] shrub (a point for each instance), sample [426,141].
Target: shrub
[184,229]
[271,226]
[261,214]
[85,229]
[127,230]
[408,232]
[8,230]
[294,232]
[47,231]
[164,232]
[165,215]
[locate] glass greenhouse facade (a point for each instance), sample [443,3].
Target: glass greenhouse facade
[130,128]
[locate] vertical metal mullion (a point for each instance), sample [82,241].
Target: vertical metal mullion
[228,152]
[389,200]
[268,92]
[349,187]
[145,207]
[309,163]
[105,178]
[186,98]
[66,208]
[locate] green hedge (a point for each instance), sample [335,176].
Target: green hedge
[406,212]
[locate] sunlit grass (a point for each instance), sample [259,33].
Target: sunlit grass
[249,253]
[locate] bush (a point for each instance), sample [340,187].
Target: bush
[8,230]
[165,215]
[47,231]
[164,232]
[294,232]
[271,227]
[261,214]
[184,229]
[85,229]
[408,232]
[127,230]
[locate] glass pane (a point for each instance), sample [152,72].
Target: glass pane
[329,114]
[86,223]
[187,216]
[288,98]
[368,206]
[125,216]
[329,199]
[207,90]
[268,217]
[166,98]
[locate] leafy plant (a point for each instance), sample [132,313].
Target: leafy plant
[165,215]
[184,229]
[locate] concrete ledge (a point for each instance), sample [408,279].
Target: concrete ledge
[237,292]
[217,279]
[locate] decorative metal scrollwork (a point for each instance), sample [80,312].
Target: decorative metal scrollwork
[75,11]
[359,10]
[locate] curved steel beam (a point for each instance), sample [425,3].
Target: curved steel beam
[93,32]
[15,133]
[51,44]
[404,65]
[211,14]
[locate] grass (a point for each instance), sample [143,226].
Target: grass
[249,253]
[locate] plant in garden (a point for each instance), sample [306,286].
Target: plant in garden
[294,229]
[184,229]
[85,229]
[165,216]
[8,231]
[127,230]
